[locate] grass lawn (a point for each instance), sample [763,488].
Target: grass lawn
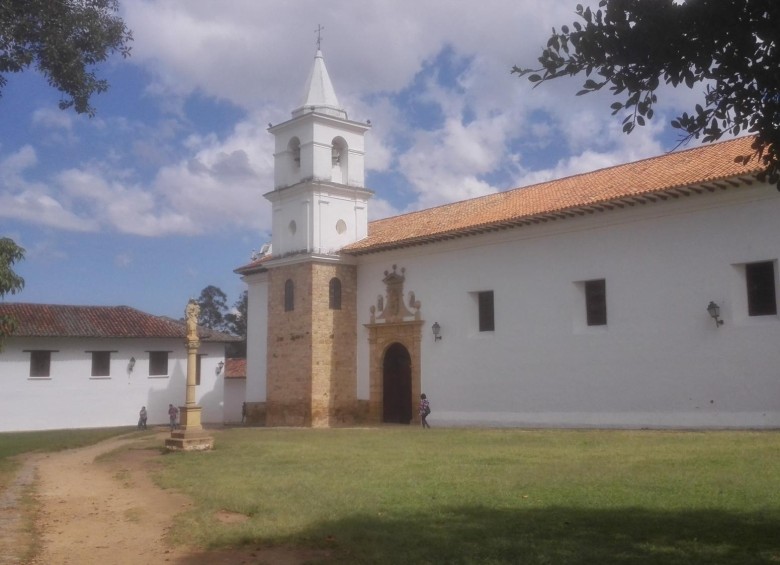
[401,495]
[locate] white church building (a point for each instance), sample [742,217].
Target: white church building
[641,295]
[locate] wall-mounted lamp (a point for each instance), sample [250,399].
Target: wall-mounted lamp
[219,367]
[714,311]
[131,365]
[436,328]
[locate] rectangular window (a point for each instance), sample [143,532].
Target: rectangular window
[487,322]
[101,363]
[197,368]
[40,363]
[760,280]
[158,363]
[596,302]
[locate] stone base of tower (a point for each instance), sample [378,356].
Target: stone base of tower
[297,415]
[287,414]
[255,413]
[312,345]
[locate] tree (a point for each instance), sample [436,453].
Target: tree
[10,282]
[731,46]
[236,324]
[236,321]
[64,40]
[213,305]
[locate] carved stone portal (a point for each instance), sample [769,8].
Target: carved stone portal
[393,321]
[393,309]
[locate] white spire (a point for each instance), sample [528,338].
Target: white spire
[319,95]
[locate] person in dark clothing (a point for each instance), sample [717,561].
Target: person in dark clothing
[425,409]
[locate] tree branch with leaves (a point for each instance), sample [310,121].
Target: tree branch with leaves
[730,47]
[63,40]
[10,282]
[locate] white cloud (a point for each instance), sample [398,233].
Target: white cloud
[174,176]
[379,208]
[15,163]
[640,145]
[53,118]
[31,201]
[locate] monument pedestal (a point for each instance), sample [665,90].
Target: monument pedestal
[190,436]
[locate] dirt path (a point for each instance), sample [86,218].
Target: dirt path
[110,511]
[15,534]
[103,512]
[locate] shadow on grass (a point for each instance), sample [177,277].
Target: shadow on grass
[548,536]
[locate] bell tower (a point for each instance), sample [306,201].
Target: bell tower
[319,206]
[319,199]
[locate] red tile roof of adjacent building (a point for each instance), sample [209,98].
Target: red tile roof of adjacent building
[670,175]
[56,320]
[235,368]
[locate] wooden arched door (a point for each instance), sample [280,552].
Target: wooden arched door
[397,385]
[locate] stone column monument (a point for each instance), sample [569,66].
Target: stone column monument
[190,436]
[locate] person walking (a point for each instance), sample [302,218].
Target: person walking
[425,409]
[243,413]
[142,418]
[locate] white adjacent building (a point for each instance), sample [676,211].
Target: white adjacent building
[581,301]
[96,366]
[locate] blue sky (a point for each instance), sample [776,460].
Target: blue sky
[160,194]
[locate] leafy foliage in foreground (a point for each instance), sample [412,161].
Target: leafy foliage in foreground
[64,39]
[732,47]
[10,282]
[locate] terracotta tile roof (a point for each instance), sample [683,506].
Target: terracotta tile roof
[235,368]
[663,175]
[56,320]
[255,266]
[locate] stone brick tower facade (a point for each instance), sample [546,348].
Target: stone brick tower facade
[319,206]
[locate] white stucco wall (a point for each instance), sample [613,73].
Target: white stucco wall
[334,205]
[71,398]
[660,361]
[306,217]
[257,336]
[235,394]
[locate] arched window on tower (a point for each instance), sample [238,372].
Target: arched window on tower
[334,294]
[294,148]
[289,296]
[339,160]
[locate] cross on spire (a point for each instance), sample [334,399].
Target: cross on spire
[318,31]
